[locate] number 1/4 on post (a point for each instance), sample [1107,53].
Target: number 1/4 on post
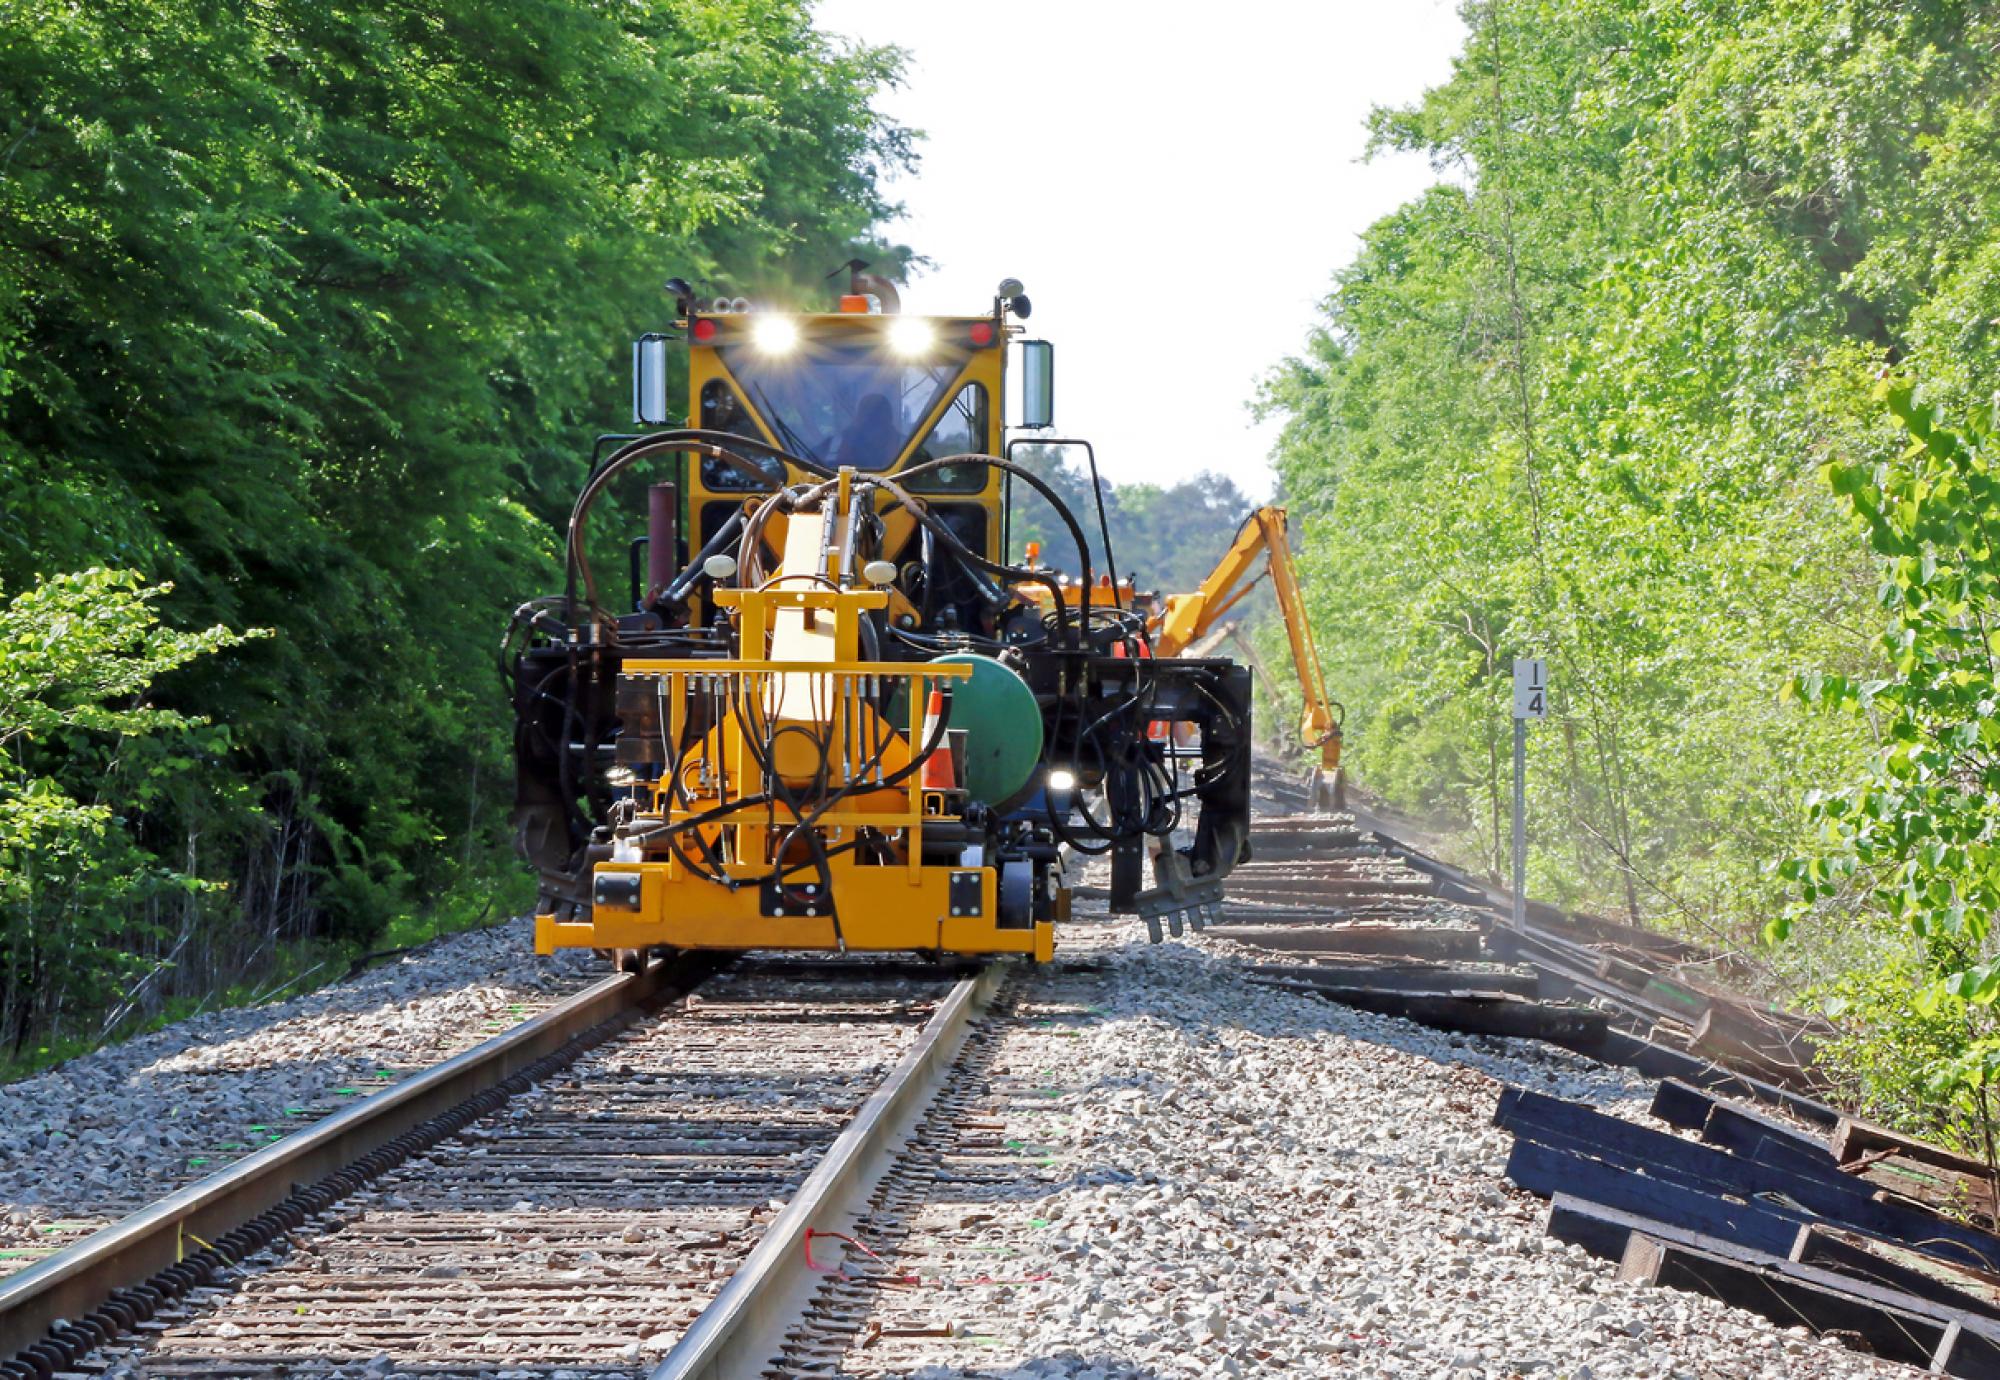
[1531,701]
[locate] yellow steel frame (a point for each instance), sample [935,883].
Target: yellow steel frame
[809,676]
[881,907]
[839,691]
[880,911]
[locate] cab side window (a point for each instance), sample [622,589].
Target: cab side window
[961,430]
[722,410]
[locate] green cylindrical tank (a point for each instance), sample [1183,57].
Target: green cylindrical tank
[1003,728]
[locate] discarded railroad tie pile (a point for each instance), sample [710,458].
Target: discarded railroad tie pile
[1775,1203]
[1841,1232]
[1363,919]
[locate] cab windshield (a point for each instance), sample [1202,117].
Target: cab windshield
[842,402]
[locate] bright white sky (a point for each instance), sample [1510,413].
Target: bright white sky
[1174,184]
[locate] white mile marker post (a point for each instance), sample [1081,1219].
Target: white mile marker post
[1531,701]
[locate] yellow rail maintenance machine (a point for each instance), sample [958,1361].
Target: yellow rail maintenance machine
[829,712]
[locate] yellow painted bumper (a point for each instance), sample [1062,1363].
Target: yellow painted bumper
[882,909]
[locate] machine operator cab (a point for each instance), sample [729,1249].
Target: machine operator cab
[861,387]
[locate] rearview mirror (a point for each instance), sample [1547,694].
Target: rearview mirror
[649,381]
[1038,384]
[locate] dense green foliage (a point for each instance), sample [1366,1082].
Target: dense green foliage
[1916,839]
[77,657]
[311,312]
[1577,399]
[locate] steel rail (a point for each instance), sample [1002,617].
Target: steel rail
[739,1333]
[53,1310]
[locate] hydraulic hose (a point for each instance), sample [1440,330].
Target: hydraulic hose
[1040,486]
[717,445]
[717,544]
[931,523]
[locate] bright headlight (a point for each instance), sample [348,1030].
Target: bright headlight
[775,334]
[1062,779]
[911,336]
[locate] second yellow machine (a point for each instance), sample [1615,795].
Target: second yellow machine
[830,711]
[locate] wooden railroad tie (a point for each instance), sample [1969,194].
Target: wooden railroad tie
[1762,1213]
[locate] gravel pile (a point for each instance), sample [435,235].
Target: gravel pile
[88,1141]
[1254,1182]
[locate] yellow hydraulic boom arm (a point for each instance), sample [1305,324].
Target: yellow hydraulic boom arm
[1187,618]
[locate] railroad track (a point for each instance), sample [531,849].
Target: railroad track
[640,1162]
[241,1080]
[922,1293]
[780,1168]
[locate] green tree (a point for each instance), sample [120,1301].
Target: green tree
[82,752]
[312,312]
[1574,401]
[1916,836]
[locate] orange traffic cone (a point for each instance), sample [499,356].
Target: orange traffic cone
[938,774]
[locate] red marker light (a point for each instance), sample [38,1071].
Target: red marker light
[702,330]
[980,333]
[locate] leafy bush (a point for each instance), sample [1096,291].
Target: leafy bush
[83,758]
[1916,837]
